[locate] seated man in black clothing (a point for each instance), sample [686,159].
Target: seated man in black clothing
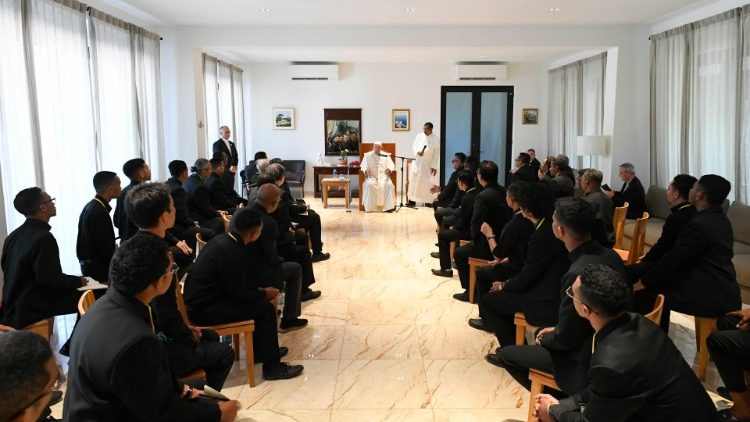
[184,226]
[632,192]
[251,170]
[96,243]
[35,287]
[697,276]
[591,187]
[118,369]
[151,208]
[222,288]
[199,198]
[535,289]
[447,194]
[227,178]
[461,230]
[490,208]
[138,172]
[730,350]
[523,172]
[562,182]
[636,372]
[218,198]
[565,349]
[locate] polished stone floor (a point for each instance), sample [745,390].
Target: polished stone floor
[386,342]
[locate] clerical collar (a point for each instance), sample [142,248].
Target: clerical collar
[539,224]
[611,326]
[234,236]
[103,203]
[681,206]
[517,212]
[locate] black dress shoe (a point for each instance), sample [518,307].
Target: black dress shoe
[443,273]
[479,324]
[310,295]
[494,359]
[463,297]
[435,254]
[284,371]
[320,257]
[292,324]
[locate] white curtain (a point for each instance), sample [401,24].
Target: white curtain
[239,120]
[211,95]
[698,94]
[576,106]
[743,155]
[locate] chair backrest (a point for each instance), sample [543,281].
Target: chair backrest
[200,244]
[618,222]
[294,170]
[226,219]
[181,303]
[655,314]
[638,239]
[364,147]
[43,327]
[84,303]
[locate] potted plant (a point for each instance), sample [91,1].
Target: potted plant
[344,159]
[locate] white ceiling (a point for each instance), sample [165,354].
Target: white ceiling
[393,12]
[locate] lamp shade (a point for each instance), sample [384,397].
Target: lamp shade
[589,145]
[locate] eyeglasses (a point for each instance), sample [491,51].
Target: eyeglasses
[173,270]
[51,200]
[569,292]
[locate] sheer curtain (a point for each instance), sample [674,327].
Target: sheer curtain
[211,103]
[743,155]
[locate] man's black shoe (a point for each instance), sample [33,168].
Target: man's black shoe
[443,273]
[479,324]
[463,297]
[284,371]
[494,359]
[291,325]
[320,257]
[435,254]
[310,295]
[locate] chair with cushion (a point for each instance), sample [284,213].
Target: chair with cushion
[618,222]
[637,242]
[295,174]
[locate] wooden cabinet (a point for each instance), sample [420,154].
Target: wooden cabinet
[350,172]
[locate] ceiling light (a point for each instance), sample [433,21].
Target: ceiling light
[482,57]
[410,9]
[554,9]
[264,10]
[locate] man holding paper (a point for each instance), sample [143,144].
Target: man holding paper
[378,192]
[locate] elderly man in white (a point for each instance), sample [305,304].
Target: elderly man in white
[378,192]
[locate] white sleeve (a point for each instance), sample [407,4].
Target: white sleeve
[435,153]
[389,165]
[417,145]
[364,164]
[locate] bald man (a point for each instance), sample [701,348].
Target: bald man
[270,269]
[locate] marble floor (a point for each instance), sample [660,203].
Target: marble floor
[386,341]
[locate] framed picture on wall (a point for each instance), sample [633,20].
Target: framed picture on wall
[401,120]
[530,116]
[283,118]
[343,130]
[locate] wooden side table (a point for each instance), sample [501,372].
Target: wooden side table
[329,183]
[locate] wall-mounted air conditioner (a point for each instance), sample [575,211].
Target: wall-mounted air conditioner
[314,72]
[481,72]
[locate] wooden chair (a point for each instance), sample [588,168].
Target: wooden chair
[234,329]
[388,148]
[43,327]
[520,320]
[703,328]
[200,244]
[226,218]
[618,222]
[475,263]
[636,242]
[84,303]
[655,314]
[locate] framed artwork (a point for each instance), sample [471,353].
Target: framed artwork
[530,116]
[343,130]
[283,118]
[401,120]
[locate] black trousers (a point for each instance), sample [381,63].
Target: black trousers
[462,255]
[445,237]
[311,222]
[292,274]
[265,336]
[214,357]
[98,270]
[486,276]
[301,255]
[442,212]
[518,359]
[730,350]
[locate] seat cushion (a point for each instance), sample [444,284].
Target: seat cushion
[653,230]
[739,215]
[656,203]
[741,248]
[742,267]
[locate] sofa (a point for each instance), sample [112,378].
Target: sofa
[738,214]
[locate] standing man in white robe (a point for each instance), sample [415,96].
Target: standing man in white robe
[424,171]
[378,192]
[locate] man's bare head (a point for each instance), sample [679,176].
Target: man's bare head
[268,196]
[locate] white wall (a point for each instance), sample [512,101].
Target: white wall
[376,88]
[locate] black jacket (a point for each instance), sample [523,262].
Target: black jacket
[635,195]
[562,186]
[449,191]
[263,253]
[96,243]
[489,207]
[680,216]
[697,274]
[220,146]
[546,262]
[220,199]
[466,210]
[570,344]
[33,278]
[125,225]
[524,174]
[604,231]
[119,371]
[535,165]
[513,241]
[199,199]
[182,221]
[457,197]
[637,375]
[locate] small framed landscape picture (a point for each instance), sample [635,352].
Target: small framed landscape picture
[401,120]
[283,118]
[530,116]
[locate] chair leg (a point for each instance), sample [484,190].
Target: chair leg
[707,326]
[520,334]
[472,282]
[250,359]
[236,346]
[536,388]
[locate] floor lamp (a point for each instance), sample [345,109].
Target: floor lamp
[591,145]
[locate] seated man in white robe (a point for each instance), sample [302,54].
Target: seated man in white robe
[378,192]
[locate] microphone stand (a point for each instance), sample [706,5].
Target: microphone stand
[403,177]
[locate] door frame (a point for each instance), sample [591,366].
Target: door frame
[476,121]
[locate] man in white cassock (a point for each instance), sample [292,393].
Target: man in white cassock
[424,171]
[378,192]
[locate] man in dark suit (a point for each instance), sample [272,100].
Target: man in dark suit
[184,226]
[462,229]
[535,290]
[199,198]
[626,383]
[591,185]
[490,208]
[96,243]
[223,144]
[35,287]
[562,183]
[697,276]
[118,369]
[534,163]
[138,172]
[565,349]
[449,191]
[220,199]
[252,167]
[523,171]
[632,192]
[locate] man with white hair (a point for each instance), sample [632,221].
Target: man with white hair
[632,192]
[223,144]
[378,192]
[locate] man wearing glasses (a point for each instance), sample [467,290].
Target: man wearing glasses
[35,287]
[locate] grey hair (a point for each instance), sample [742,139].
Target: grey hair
[275,171]
[594,176]
[564,159]
[262,165]
[628,167]
[222,127]
[200,165]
